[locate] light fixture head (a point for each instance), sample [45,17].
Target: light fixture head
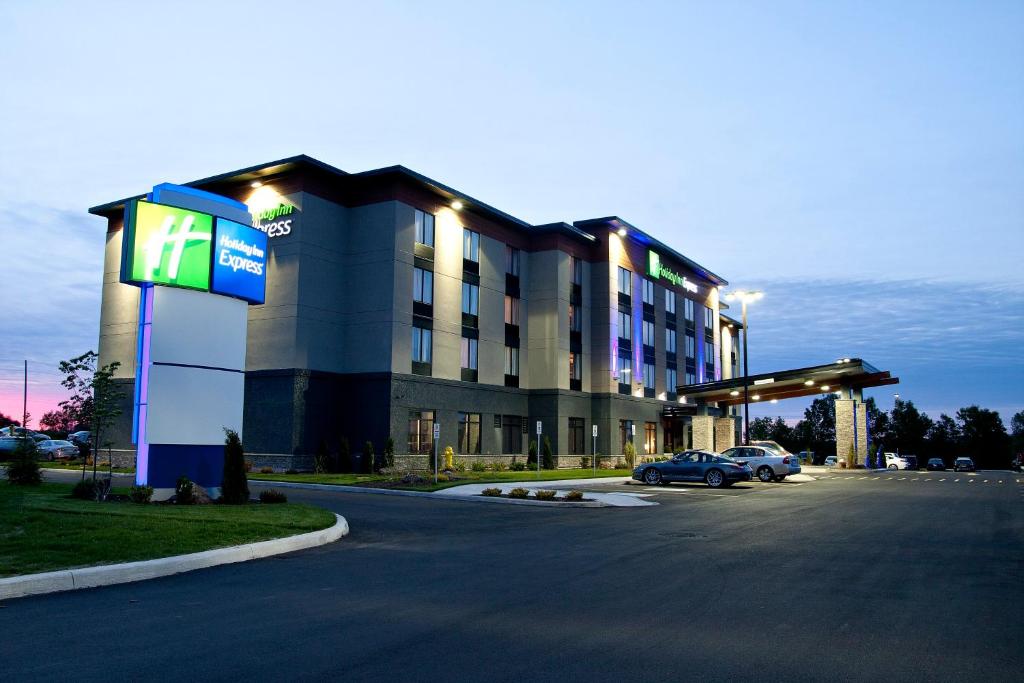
[255,183]
[824,387]
[734,393]
[775,400]
[457,204]
[621,232]
[756,397]
[809,383]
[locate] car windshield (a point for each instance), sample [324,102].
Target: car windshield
[724,459]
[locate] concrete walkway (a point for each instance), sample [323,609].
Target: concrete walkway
[611,499]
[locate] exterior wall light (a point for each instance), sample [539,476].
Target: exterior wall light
[734,393]
[457,205]
[622,232]
[809,383]
[755,397]
[255,183]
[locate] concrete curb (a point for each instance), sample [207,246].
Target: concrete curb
[106,575]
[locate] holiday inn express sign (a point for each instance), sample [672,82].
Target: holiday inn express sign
[659,270]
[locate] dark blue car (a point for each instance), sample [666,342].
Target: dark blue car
[712,469]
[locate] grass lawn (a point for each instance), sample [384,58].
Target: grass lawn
[42,528]
[462,478]
[57,465]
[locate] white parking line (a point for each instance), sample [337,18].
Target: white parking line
[956,480]
[902,478]
[985,482]
[942,480]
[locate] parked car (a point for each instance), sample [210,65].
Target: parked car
[79,437]
[57,449]
[911,461]
[935,465]
[8,444]
[713,469]
[806,456]
[963,465]
[894,461]
[766,464]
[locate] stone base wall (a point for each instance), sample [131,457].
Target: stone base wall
[703,432]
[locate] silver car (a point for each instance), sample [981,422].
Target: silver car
[767,464]
[54,449]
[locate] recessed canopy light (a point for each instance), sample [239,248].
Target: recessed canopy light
[756,397]
[622,232]
[775,400]
[824,387]
[809,383]
[255,183]
[734,393]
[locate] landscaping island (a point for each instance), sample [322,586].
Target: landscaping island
[42,528]
[424,481]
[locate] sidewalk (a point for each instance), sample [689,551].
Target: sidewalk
[611,499]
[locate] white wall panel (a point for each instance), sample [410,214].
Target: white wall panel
[196,328]
[193,405]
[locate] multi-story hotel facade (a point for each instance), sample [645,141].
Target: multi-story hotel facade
[394,303]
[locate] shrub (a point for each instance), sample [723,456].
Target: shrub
[518,493]
[585,462]
[545,495]
[548,460]
[185,492]
[574,496]
[517,466]
[140,494]
[531,457]
[322,459]
[248,465]
[629,454]
[84,490]
[492,492]
[460,466]
[24,468]
[103,463]
[235,486]
[266,470]
[441,476]
[389,453]
[499,466]
[272,496]
[478,466]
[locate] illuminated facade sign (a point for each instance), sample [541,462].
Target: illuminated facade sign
[276,221]
[166,245]
[239,261]
[659,270]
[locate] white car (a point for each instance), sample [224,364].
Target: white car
[831,461]
[55,449]
[766,464]
[896,462]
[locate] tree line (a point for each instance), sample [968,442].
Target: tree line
[974,432]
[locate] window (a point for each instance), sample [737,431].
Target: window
[511,361]
[511,310]
[470,298]
[625,433]
[421,343]
[422,286]
[576,270]
[625,284]
[575,318]
[421,431]
[648,375]
[469,353]
[691,346]
[469,433]
[688,309]
[625,325]
[709,318]
[511,260]
[576,444]
[625,368]
[575,366]
[670,380]
[670,301]
[648,292]
[424,228]
[691,378]
[511,434]
[670,341]
[650,437]
[648,333]
[470,245]
[709,354]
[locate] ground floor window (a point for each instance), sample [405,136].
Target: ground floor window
[421,431]
[650,438]
[625,434]
[511,434]
[577,446]
[469,433]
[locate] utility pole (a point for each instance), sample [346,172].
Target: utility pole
[24,399]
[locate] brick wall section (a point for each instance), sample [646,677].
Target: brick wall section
[725,433]
[845,430]
[703,432]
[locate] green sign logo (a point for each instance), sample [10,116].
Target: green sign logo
[168,246]
[657,269]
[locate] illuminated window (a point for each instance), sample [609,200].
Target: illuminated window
[511,361]
[648,288]
[709,318]
[670,301]
[575,318]
[469,433]
[422,286]
[469,353]
[424,228]
[511,310]
[511,260]
[470,298]
[670,341]
[575,366]
[650,437]
[625,369]
[421,345]
[421,431]
[470,245]
[625,281]
[625,325]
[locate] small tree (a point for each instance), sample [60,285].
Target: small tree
[24,467]
[389,453]
[369,455]
[95,398]
[344,456]
[322,459]
[235,487]
[549,461]
[531,457]
[629,453]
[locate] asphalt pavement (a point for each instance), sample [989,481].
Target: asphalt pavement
[844,578]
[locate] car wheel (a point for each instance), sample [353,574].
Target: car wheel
[780,478]
[714,479]
[764,473]
[652,476]
[893,467]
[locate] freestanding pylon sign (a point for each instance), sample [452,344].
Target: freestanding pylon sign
[198,265]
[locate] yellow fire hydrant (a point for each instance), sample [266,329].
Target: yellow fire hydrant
[449,457]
